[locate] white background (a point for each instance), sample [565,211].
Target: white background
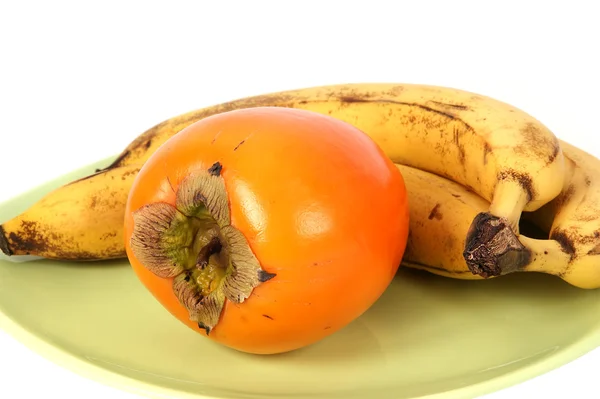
[79,80]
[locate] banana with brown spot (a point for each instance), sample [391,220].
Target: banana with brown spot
[504,154]
[500,152]
[441,212]
[82,220]
[572,222]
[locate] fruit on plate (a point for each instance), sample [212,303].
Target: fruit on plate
[82,220]
[571,248]
[441,212]
[267,229]
[562,237]
[501,153]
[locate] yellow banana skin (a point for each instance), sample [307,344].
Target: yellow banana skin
[501,153]
[82,220]
[505,155]
[440,215]
[571,222]
[573,249]
[441,212]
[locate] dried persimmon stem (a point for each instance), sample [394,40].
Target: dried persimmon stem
[214,246]
[194,243]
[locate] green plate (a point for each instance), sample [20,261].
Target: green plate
[427,336]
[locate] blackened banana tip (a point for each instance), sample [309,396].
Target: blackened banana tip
[4,243]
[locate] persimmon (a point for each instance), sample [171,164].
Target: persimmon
[267,229]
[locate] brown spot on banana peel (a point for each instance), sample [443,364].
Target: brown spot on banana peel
[395,91]
[534,141]
[585,216]
[563,197]
[594,251]
[567,246]
[492,248]
[349,99]
[487,148]
[571,241]
[132,172]
[108,236]
[460,146]
[523,179]
[459,107]
[4,243]
[33,239]
[555,151]
[435,212]
[30,240]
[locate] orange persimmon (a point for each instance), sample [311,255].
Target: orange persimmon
[267,229]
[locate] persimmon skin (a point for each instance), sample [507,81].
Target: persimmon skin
[320,204]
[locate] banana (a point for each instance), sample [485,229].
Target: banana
[499,152]
[82,220]
[440,214]
[563,236]
[438,206]
[572,222]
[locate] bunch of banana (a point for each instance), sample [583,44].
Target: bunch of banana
[571,226]
[563,236]
[472,166]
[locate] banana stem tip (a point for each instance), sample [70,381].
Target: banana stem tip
[492,248]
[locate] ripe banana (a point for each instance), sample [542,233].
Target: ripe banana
[503,154]
[500,152]
[440,219]
[441,212]
[440,215]
[82,220]
[572,222]
[564,235]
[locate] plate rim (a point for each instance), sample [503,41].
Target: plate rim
[94,372]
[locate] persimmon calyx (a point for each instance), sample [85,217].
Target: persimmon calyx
[194,243]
